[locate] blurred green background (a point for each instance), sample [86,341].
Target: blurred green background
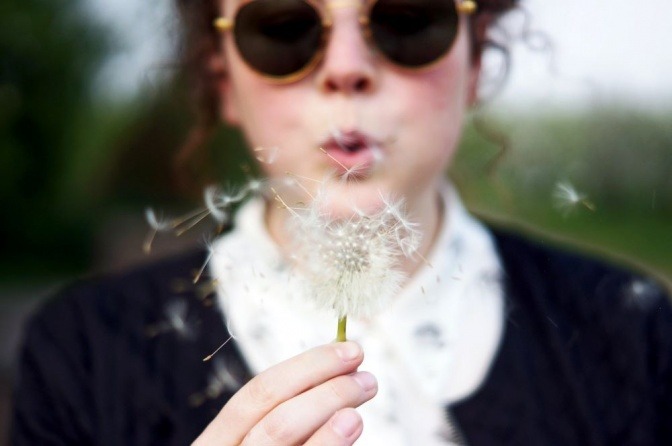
[77,168]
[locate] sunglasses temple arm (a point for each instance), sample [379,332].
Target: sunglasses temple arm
[222,24]
[467,7]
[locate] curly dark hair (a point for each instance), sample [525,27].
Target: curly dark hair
[199,40]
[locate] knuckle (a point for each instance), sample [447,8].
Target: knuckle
[261,392]
[341,389]
[274,429]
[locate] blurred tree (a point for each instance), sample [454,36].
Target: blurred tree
[49,54]
[147,166]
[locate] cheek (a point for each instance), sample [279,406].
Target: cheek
[444,94]
[271,121]
[433,112]
[450,80]
[445,89]
[262,110]
[436,106]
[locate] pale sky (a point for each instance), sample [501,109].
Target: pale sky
[609,48]
[604,50]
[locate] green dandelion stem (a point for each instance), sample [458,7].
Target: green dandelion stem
[340,334]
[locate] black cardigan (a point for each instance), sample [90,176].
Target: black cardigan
[586,359]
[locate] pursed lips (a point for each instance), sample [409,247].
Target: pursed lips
[352,152]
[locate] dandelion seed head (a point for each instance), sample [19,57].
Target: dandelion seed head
[351,265]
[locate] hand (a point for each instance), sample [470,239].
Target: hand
[308,399]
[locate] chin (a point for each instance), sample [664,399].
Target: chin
[343,200]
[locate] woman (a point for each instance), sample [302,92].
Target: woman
[492,340]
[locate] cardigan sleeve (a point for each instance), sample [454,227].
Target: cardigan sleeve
[90,372]
[661,341]
[51,398]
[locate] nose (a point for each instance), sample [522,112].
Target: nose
[347,66]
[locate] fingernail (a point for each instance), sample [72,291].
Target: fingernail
[366,380]
[348,351]
[346,423]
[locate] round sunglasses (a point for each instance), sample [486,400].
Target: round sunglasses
[285,39]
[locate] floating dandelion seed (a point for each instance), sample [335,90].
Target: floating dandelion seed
[156,225]
[406,232]
[177,226]
[215,204]
[209,357]
[641,292]
[567,198]
[254,186]
[231,337]
[201,270]
[266,155]
[355,172]
[221,380]
[206,291]
[176,320]
[351,265]
[218,205]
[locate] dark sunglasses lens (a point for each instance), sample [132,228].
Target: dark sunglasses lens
[278,37]
[414,33]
